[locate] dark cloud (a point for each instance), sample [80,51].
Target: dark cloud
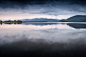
[45,7]
[23,3]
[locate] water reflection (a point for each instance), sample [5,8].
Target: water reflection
[34,26]
[71,25]
[43,40]
[39,23]
[77,26]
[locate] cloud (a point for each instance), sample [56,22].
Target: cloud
[55,8]
[49,9]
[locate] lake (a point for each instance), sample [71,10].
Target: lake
[43,39]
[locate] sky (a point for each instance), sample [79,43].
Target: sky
[50,9]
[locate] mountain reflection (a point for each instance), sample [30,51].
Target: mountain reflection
[49,39]
[39,23]
[50,24]
[77,26]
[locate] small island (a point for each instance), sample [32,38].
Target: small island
[11,22]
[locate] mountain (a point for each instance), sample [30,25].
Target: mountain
[40,20]
[77,18]
[63,20]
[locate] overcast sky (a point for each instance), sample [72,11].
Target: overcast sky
[52,10]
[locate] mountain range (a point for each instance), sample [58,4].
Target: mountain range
[40,20]
[76,18]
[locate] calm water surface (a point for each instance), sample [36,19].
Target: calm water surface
[43,39]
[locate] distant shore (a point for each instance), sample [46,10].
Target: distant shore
[11,22]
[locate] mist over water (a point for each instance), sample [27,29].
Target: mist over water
[51,39]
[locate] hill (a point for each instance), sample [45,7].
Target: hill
[77,18]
